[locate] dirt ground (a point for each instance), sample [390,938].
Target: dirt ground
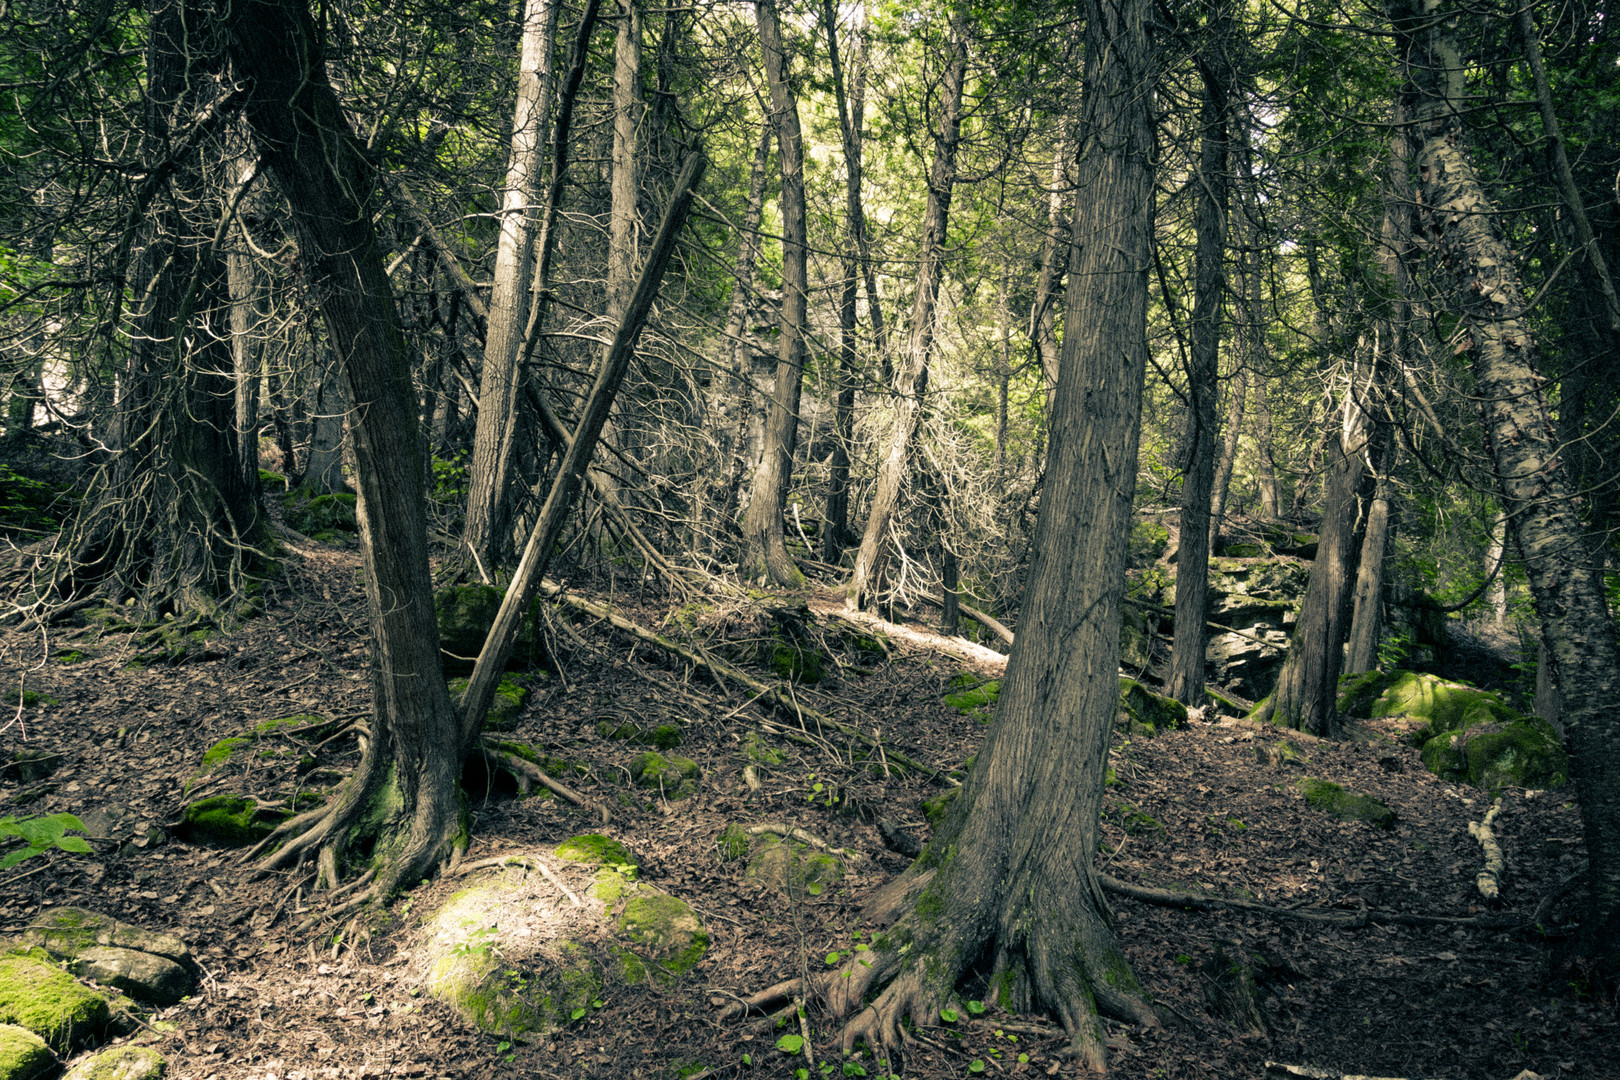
[1198,807]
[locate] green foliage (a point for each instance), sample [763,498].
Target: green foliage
[28,505]
[42,834]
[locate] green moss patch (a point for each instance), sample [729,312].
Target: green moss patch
[1337,801]
[674,776]
[760,752]
[28,699]
[665,937]
[231,820]
[1522,753]
[601,850]
[23,1055]
[51,1003]
[1142,712]
[936,808]
[1440,703]
[120,1063]
[790,866]
[328,518]
[68,931]
[733,843]
[465,614]
[503,707]
[662,736]
[974,696]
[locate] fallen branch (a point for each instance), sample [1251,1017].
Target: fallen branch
[774,695]
[528,770]
[1489,880]
[989,622]
[793,832]
[1277,1068]
[1171,898]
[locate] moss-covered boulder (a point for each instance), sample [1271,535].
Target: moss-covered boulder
[24,1055]
[973,695]
[503,708]
[68,931]
[1521,753]
[154,980]
[1337,801]
[675,777]
[231,820]
[1442,704]
[120,1063]
[493,956]
[793,867]
[598,850]
[465,613]
[329,518]
[664,736]
[51,1003]
[663,935]
[1142,712]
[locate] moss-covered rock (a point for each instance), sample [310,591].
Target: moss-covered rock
[599,850]
[733,842]
[493,958]
[49,1002]
[1283,753]
[120,1063]
[328,518]
[68,931]
[155,980]
[663,736]
[936,808]
[674,776]
[503,707]
[794,660]
[231,820]
[1135,647]
[665,938]
[1337,801]
[1142,712]
[24,1055]
[1521,753]
[1442,704]
[465,613]
[791,866]
[973,695]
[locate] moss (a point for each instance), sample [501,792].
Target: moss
[676,777]
[664,934]
[221,752]
[795,661]
[231,820]
[1146,543]
[285,723]
[51,1003]
[1144,712]
[793,866]
[733,843]
[1135,821]
[465,614]
[24,1055]
[598,849]
[974,696]
[120,1063]
[761,752]
[612,884]
[312,514]
[1337,801]
[1523,753]
[71,656]
[503,707]
[935,809]
[662,736]
[1444,705]
[29,699]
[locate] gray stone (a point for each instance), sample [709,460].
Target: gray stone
[142,975]
[120,1063]
[68,931]
[23,1055]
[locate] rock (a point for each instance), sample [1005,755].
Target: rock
[23,1055]
[1336,801]
[155,980]
[600,850]
[674,776]
[120,1063]
[1521,753]
[51,1003]
[792,866]
[231,820]
[1247,662]
[109,822]
[68,931]
[32,766]
[503,708]
[1280,754]
[666,938]
[1142,712]
[465,613]
[1441,703]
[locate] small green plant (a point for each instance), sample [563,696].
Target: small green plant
[42,834]
[976,1008]
[950,1016]
[790,1044]
[976,1065]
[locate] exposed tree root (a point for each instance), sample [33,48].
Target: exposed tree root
[527,771]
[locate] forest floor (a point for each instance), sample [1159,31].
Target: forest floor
[1199,807]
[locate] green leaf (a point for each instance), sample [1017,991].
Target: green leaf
[746,1060]
[503,1048]
[975,1007]
[832,958]
[814,888]
[976,1065]
[949,1016]
[790,1044]
[18,856]
[1023,1058]
[863,948]
[576,1014]
[801,1074]
[598,1003]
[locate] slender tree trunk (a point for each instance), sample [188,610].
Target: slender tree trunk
[1186,682]
[626,188]
[1495,549]
[911,378]
[1054,247]
[738,391]
[248,321]
[764,554]
[486,527]
[1237,391]
[1009,878]
[1265,469]
[1366,620]
[1480,275]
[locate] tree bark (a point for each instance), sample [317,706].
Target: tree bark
[737,389]
[764,553]
[1186,681]
[486,527]
[1482,286]
[1009,876]
[623,219]
[911,377]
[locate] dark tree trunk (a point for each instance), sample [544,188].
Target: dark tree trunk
[1481,280]
[404,793]
[1009,877]
[738,393]
[764,554]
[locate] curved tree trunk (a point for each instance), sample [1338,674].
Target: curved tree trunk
[764,554]
[911,378]
[1009,876]
[1481,281]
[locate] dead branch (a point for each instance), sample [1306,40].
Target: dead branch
[1489,880]
[528,770]
[1311,1072]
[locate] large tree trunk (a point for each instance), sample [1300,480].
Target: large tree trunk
[1186,682]
[403,796]
[911,377]
[485,531]
[764,553]
[1480,276]
[1009,876]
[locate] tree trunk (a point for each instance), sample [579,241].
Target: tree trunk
[623,218]
[1480,276]
[1366,619]
[1186,682]
[1009,878]
[249,318]
[736,389]
[486,528]
[403,795]
[764,554]
[1265,469]
[323,474]
[911,378]
[1237,392]
[1495,549]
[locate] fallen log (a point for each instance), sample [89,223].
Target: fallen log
[1489,879]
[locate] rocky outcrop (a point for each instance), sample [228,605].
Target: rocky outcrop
[150,967]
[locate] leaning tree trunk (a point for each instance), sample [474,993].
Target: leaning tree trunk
[403,798]
[1186,683]
[485,530]
[765,554]
[911,377]
[1009,879]
[1479,275]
